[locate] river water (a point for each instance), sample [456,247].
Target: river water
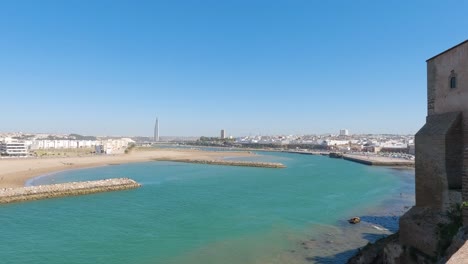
[201,214]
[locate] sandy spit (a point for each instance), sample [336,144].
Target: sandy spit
[15,172]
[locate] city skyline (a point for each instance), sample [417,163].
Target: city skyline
[102,68]
[152,137]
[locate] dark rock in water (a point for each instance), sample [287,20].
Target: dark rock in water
[354,220]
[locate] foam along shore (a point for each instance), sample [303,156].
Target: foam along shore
[230,163]
[378,161]
[20,194]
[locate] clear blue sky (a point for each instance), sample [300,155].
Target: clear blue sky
[270,67]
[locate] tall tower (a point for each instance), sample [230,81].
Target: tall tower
[156,131]
[223,134]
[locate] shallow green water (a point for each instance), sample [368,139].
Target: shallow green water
[191,213]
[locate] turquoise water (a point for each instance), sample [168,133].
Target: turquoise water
[192,213]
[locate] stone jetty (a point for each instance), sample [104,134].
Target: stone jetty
[20,194]
[231,163]
[379,161]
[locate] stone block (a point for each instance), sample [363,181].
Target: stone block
[420,229]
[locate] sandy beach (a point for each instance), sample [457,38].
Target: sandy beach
[15,172]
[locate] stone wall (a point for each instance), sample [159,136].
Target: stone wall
[465,167]
[441,99]
[438,160]
[441,147]
[453,62]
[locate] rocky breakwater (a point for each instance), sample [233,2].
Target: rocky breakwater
[233,163]
[20,194]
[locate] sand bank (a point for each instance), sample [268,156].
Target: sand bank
[15,172]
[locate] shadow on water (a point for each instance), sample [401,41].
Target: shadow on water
[354,237]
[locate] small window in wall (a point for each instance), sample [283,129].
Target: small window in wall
[453,82]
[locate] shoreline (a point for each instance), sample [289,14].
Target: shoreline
[17,172]
[338,245]
[28,182]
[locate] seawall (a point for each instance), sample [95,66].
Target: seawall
[230,163]
[20,194]
[323,153]
[378,162]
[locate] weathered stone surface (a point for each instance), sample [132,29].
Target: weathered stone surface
[420,229]
[385,250]
[444,99]
[10,195]
[438,160]
[458,241]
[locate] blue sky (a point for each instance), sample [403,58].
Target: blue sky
[250,67]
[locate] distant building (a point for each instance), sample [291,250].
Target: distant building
[113,146]
[156,131]
[12,147]
[344,132]
[223,134]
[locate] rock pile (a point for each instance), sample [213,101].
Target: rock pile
[11,195]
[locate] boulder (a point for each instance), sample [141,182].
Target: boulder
[354,220]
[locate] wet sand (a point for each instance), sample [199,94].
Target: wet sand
[15,172]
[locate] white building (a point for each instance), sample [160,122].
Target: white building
[63,144]
[13,147]
[344,132]
[108,146]
[331,142]
[113,146]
